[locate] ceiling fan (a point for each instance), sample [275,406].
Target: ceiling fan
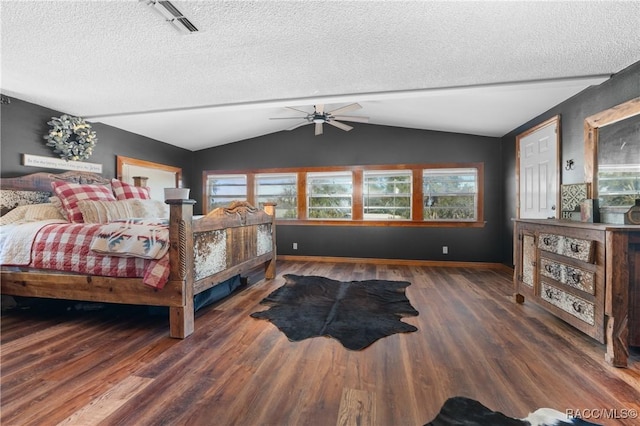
[320,117]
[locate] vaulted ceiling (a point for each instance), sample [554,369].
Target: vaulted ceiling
[479,67]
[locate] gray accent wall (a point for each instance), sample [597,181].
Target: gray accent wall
[24,125]
[366,145]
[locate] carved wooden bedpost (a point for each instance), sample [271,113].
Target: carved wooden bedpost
[270,269]
[140,181]
[181,318]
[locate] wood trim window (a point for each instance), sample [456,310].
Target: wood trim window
[437,195]
[225,188]
[386,195]
[450,194]
[330,195]
[282,187]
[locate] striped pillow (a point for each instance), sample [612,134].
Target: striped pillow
[108,211]
[45,211]
[97,211]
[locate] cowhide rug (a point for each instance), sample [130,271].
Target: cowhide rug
[357,313]
[461,411]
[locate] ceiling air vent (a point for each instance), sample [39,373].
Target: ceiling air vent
[172,15]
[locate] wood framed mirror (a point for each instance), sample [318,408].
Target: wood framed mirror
[612,154]
[158,176]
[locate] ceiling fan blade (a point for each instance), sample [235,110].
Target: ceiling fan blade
[347,108]
[320,109]
[353,118]
[298,125]
[318,129]
[286,118]
[299,110]
[340,125]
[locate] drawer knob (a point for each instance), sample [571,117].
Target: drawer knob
[576,277]
[575,247]
[548,268]
[546,241]
[577,307]
[550,294]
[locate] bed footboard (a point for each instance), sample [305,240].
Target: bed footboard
[207,251]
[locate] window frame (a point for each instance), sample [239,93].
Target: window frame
[380,173]
[417,197]
[256,182]
[206,187]
[474,194]
[328,174]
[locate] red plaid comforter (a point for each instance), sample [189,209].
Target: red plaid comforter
[66,247]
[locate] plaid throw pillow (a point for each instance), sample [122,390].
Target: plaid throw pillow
[71,193]
[125,191]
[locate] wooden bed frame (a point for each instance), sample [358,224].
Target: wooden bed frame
[203,253]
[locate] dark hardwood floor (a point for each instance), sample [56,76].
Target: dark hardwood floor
[117,365]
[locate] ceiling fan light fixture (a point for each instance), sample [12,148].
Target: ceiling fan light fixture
[319,117]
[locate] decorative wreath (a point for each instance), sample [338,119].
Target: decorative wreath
[71,137]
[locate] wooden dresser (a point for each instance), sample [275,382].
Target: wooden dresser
[586,274]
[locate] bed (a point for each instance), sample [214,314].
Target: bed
[202,252]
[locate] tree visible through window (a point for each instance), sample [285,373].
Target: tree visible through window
[387,194]
[279,188]
[450,194]
[329,195]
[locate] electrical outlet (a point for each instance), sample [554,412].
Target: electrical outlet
[445,250]
[295,246]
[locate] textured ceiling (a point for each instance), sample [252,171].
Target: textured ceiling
[472,67]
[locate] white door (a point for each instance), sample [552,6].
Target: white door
[538,152]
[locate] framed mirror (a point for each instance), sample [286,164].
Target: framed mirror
[156,176]
[612,155]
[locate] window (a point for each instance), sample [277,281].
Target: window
[450,194]
[329,195]
[223,189]
[386,194]
[412,195]
[280,188]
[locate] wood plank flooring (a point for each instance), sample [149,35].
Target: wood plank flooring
[117,365]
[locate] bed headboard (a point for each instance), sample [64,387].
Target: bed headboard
[35,188]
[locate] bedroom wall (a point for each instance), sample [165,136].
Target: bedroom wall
[24,124]
[365,145]
[621,87]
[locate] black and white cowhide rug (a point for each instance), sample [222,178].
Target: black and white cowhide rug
[357,313]
[461,411]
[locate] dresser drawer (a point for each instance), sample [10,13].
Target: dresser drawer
[574,248]
[576,306]
[570,275]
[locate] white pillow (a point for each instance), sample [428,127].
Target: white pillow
[44,212]
[150,209]
[14,215]
[32,213]
[99,211]
[57,203]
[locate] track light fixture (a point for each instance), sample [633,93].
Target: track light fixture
[172,15]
